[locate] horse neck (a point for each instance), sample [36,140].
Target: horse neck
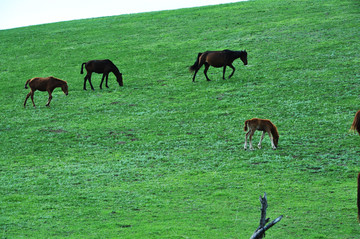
[58,82]
[233,55]
[116,71]
[237,54]
[274,131]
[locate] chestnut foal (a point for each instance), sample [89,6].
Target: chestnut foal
[262,125]
[44,84]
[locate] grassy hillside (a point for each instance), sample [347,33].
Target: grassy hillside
[163,157]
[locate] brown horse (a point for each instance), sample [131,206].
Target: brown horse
[264,125]
[101,66]
[356,123]
[218,59]
[44,84]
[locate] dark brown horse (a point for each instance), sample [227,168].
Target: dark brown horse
[356,123]
[101,66]
[45,84]
[218,59]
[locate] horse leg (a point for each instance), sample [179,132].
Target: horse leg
[224,72]
[85,78]
[261,139]
[195,75]
[89,79]
[32,98]
[250,139]
[233,68]
[205,71]
[106,83]
[102,80]
[50,98]
[27,96]
[246,135]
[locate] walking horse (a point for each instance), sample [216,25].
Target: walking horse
[217,59]
[44,84]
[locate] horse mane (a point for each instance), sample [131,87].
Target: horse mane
[114,68]
[59,80]
[356,123]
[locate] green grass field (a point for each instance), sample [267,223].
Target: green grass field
[163,157]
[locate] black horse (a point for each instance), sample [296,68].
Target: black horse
[218,59]
[101,66]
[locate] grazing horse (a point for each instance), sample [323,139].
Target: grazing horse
[218,59]
[262,125]
[44,84]
[101,66]
[356,123]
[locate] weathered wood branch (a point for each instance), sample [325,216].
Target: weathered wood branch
[260,231]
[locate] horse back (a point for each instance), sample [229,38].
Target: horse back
[39,83]
[260,124]
[45,83]
[217,58]
[99,66]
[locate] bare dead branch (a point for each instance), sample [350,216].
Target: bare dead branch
[260,231]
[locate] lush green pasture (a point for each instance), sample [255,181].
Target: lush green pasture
[163,157]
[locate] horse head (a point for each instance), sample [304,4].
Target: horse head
[276,140]
[120,79]
[65,89]
[243,57]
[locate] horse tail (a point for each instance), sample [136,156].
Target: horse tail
[246,124]
[82,68]
[358,197]
[356,123]
[196,64]
[27,82]
[275,134]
